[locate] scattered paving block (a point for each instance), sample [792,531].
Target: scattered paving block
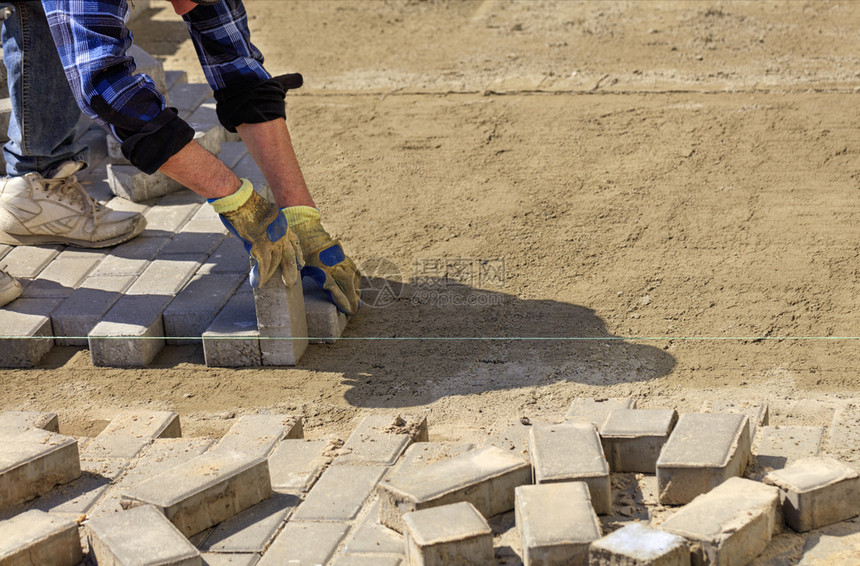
[128,182]
[232,340]
[73,320]
[511,434]
[325,322]
[780,445]
[75,498]
[704,450]
[449,534]
[836,544]
[132,332]
[23,420]
[572,452]
[33,461]
[423,454]
[339,493]
[595,411]
[281,322]
[257,435]
[252,529]
[141,535]
[640,545]
[381,439]
[485,477]
[632,438]
[817,492]
[845,434]
[205,490]
[296,464]
[370,537]
[756,412]
[556,523]
[191,313]
[130,432]
[35,537]
[291,545]
[21,345]
[377,560]
[64,274]
[731,524]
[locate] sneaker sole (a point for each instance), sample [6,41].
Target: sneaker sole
[18,240]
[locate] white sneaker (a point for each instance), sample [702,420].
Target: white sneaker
[57,210]
[10,289]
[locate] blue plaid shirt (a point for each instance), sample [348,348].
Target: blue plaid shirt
[92,40]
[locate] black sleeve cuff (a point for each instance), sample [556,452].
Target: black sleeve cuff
[159,140]
[253,102]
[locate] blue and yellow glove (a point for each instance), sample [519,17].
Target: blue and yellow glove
[264,232]
[325,261]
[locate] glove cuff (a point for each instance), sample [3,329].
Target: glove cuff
[234,201]
[297,215]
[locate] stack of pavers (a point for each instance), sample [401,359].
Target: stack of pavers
[183,280]
[140,493]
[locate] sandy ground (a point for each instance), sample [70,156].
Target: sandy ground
[552,199]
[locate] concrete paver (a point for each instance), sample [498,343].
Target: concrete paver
[632,438]
[448,534]
[291,544]
[640,544]
[779,445]
[595,411]
[33,461]
[35,537]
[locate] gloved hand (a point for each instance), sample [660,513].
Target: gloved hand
[325,261]
[264,232]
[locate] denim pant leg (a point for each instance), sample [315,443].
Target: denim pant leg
[44,112]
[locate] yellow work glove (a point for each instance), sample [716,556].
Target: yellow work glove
[325,261]
[264,232]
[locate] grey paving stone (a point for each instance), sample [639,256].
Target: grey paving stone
[449,534]
[64,274]
[32,462]
[246,168]
[96,179]
[703,451]
[731,524]
[423,454]
[26,262]
[115,156]
[640,544]
[325,323]
[511,434]
[232,340]
[836,544]
[380,439]
[371,537]
[130,432]
[757,412]
[201,236]
[281,322]
[257,435]
[166,276]
[35,537]
[556,523]
[73,320]
[355,560]
[186,97]
[131,258]
[173,78]
[232,152]
[210,135]
[148,65]
[132,332]
[252,529]
[229,257]
[296,464]
[595,411]
[339,493]
[191,313]
[780,445]
[171,212]
[141,535]
[572,452]
[291,545]
[22,323]
[485,477]
[5,249]
[243,559]
[128,182]
[632,438]
[205,490]
[75,498]
[817,492]
[845,434]
[23,420]
[125,205]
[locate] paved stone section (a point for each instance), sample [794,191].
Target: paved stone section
[758,413]
[205,490]
[170,213]
[26,262]
[243,559]
[780,445]
[73,320]
[845,434]
[639,544]
[35,537]
[232,152]
[296,464]
[232,340]
[837,544]
[817,492]
[141,535]
[422,454]
[32,462]
[281,322]
[132,333]
[64,274]
[704,450]
[572,452]
[252,529]
[370,537]
[257,435]
[23,420]
[511,434]
[20,346]
[485,477]
[130,432]
[339,493]
[731,524]
[191,313]
[292,546]
[381,439]
[229,257]
[448,534]
[186,97]
[325,323]
[595,411]
[556,523]
[355,560]
[632,438]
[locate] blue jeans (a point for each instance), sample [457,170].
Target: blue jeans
[44,112]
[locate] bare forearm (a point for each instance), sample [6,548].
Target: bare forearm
[201,172]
